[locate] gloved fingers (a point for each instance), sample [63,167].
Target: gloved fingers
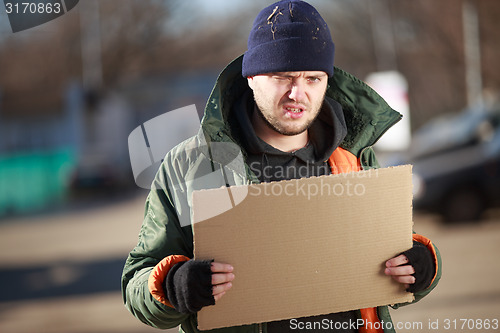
[420,257]
[219,296]
[218,267]
[219,290]
[400,270]
[404,279]
[397,261]
[220,278]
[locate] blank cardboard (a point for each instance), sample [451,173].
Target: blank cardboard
[306,247]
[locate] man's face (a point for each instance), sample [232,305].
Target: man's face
[289,102]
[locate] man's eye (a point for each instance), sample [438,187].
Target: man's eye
[314,79]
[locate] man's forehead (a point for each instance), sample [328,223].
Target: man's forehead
[298,74]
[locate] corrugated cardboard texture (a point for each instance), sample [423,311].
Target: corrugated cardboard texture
[307,247]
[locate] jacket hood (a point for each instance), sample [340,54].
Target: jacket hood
[367,114]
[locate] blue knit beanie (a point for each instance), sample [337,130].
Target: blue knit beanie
[289,35]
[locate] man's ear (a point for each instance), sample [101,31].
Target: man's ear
[250,81]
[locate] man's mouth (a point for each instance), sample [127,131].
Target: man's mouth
[294,112]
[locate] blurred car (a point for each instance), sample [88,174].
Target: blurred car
[95,173]
[456,162]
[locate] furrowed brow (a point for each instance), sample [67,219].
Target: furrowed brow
[286,75]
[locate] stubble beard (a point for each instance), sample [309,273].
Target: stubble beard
[275,124]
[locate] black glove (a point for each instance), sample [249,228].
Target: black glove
[189,285]
[422,261]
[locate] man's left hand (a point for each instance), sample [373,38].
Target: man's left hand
[414,268]
[400,270]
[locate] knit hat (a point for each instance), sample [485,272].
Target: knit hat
[289,35]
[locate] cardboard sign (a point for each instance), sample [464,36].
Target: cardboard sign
[306,247]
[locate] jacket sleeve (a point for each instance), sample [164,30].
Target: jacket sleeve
[438,266]
[162,243]
[437,262]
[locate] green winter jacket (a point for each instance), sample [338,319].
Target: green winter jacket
[166,229]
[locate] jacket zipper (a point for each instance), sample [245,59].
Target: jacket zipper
[260,328]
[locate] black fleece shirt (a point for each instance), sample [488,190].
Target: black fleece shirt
[270,164]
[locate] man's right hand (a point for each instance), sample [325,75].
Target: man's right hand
[222,275]
[194,284]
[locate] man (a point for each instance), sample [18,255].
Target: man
[288,110]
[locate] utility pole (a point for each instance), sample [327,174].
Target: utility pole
[472,50]
[91,45]
[383,35]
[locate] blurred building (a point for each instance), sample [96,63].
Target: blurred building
[37,156]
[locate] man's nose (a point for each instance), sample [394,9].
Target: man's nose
[297,92]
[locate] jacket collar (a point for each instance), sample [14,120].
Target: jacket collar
[366,113]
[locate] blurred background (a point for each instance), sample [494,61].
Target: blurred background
[73,89]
